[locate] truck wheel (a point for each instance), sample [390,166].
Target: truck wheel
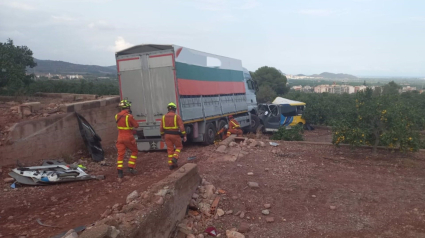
[221,124]
[209,135]
[255,122]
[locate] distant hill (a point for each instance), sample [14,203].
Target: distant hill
[328,75]
[61,67]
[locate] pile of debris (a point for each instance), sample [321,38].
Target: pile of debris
[204,208]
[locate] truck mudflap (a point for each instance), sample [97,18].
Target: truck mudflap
[150,144]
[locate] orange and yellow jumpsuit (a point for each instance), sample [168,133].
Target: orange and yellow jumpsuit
[172,129]
[234,128]
[125,124]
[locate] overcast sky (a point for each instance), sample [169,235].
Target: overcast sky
[360,37]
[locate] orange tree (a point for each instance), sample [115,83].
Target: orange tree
[380,120]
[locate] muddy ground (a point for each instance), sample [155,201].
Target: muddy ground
[314,191]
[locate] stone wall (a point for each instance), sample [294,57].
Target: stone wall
[153,213]
[59,135]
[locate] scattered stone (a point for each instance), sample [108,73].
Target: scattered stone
[269,219]
[332,207]
[238,213]
[200,236]
[239,165]
[274,151]
[267,206]
[253,185]
[262,144]
[71,234]
[254,144]
[9,180]
[87,190]
[117,207]
[242,215]
[265,212]
[222,149]
[132,196]
[221,191]
[229,212]
[313,196]
[195,196]
[234,197]
[54,199]
[220,212]
[233,144]
[209,191]
[234,234]
[160,201]
[244,227]
[266,169]
[250,173]
[205,182]
[191,236]
[106,213]
[10,218]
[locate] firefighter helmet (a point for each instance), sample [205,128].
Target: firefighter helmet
[124,104]
[230,116]
[172,106]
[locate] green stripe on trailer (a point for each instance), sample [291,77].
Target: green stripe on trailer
[194,72]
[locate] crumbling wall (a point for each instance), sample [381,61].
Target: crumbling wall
[58,135]
[153,213]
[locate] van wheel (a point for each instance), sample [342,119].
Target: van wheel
[209,135]
[255,122]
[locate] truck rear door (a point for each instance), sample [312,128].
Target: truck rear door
[148,81]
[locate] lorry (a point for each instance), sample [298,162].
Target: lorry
[206,88]
[281,112]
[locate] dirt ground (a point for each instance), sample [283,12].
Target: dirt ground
[314,191]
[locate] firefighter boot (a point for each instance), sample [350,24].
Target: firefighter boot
[174,165]
[120,173]
[132,171]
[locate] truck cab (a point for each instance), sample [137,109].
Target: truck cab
[275,115]
[250,87]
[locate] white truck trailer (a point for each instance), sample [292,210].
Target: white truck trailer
[206,88]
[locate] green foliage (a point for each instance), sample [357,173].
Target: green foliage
[13,63]
[384,120]
[293,134]
[271,77]
[265,94]
[391,88]
[325,108]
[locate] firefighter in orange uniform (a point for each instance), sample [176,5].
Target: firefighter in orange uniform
[126,124]
[234,127]
[172,129]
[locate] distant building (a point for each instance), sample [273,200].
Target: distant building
[297,88]
[407,89]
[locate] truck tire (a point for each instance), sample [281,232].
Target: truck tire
[209,135]
[221,124]
[255,122]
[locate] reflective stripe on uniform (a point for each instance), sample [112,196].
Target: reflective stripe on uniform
[131,162]
[120,166]
[126,123]
[175,155]
[235,125]
[170,156]
[172,127]
[184,132]
[229,133]
[120,162]
[170,162]
[134,156]
[177,150]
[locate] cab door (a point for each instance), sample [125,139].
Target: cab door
[272,118]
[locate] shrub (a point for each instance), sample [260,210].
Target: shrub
[293,134]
